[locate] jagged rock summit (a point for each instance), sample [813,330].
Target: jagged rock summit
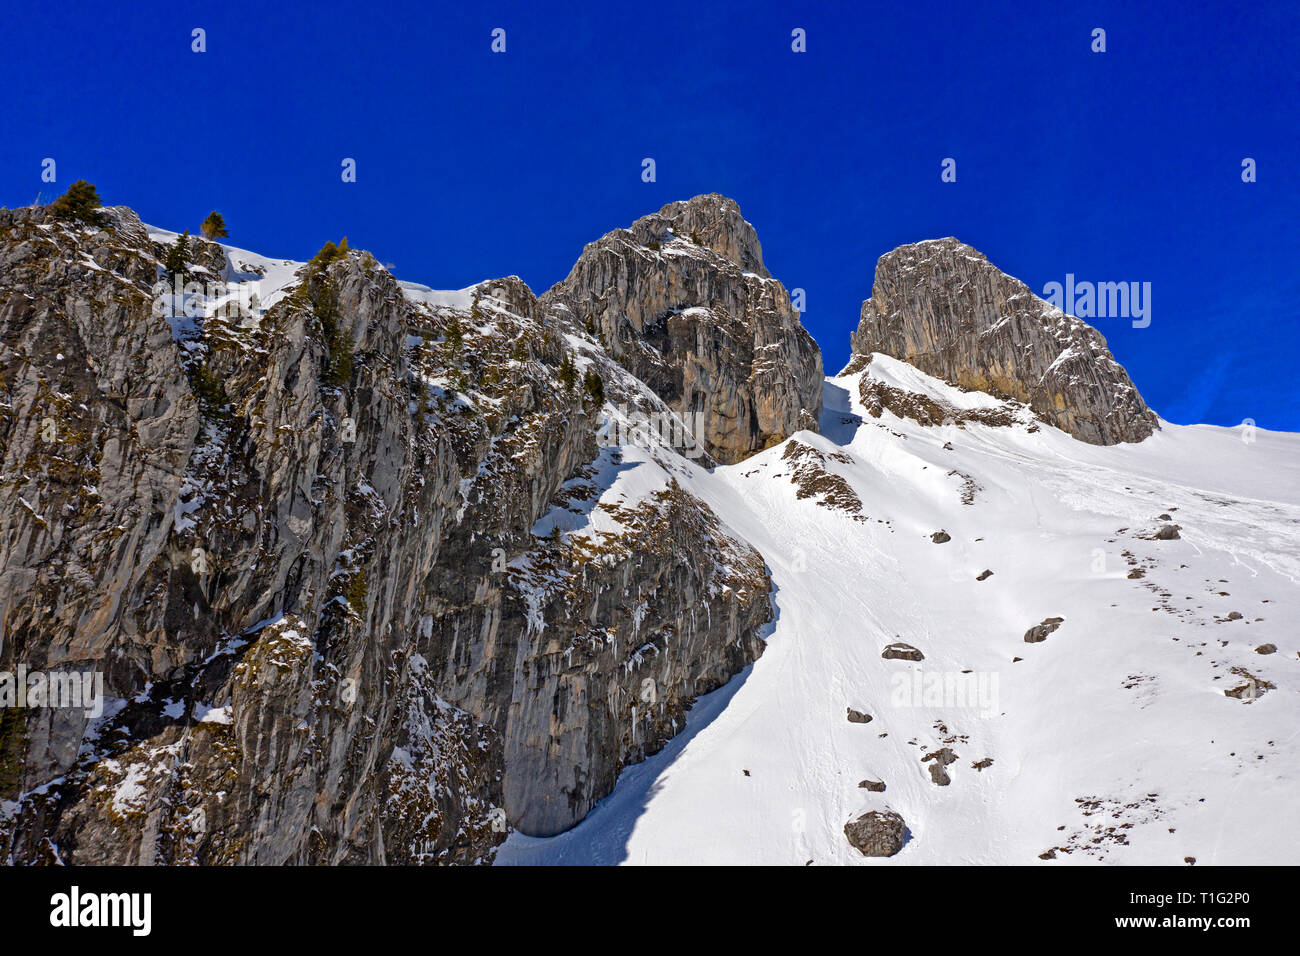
[942,307]
[682,300]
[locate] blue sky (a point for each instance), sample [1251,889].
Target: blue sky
[1115,166]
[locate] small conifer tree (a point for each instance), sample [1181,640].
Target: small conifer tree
[454,334]
[329,253]
[594,386]
[80,202]
[568,374]
[356,593]
[178,255]
[214,227]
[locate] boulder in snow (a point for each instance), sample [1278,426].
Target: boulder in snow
[1038,633]
[941,757]
[877,833]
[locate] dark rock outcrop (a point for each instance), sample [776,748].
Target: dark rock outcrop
[878,397]
[943,307]
[813,479]
[898,651]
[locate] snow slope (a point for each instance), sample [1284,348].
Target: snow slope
[270,279]
[1112,741]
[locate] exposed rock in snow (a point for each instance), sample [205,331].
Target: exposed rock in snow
[876,833]
[939,761]
[1253,688]
[1039,632]
[939,775]
[814,479]
[943,756]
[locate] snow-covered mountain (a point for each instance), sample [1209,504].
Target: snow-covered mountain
[379,573]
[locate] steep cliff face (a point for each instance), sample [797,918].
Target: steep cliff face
[327,557]
[683,301]
[579,620]
[254,637]
[943,307]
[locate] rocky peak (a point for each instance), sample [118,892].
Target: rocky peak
[942,307]
[682,300]
[509,294]
[712,221]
